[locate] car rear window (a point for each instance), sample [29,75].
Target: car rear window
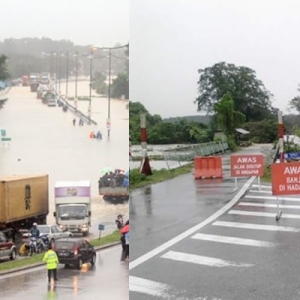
[64,245]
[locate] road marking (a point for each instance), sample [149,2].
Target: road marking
[273,198]
[256,226]
[262,186]
[269,205]
[192,230]
[232,240]
[260,191]
[203,260]
[148,287]
[262,214]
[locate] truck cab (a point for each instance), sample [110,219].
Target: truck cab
[73,206]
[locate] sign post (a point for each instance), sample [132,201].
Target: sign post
[285,181]
[101,227]
[247,165]
[108,126]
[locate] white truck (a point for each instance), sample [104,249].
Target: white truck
[73,206]
[45,78]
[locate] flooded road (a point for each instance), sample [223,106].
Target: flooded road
[45,141]
[108,279]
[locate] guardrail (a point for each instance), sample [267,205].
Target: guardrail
[187,153]
[74,110]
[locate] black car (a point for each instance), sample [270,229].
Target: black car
[75,251]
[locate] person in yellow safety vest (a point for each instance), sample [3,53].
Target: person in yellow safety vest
[51,259]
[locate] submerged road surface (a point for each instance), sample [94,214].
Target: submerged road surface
[107,280]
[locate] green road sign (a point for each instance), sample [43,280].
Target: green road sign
[3,132]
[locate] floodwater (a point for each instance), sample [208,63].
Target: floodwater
[44,141]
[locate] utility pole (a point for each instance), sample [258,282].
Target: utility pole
[109,80]
[67,75]
[91,78]
[76,77]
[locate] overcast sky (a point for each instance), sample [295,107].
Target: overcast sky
[171,39]
[84,22]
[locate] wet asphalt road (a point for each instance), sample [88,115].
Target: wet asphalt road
[107,280]
[243,254]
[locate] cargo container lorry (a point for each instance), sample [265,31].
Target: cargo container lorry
[73,206]
[25,80]
[24,199]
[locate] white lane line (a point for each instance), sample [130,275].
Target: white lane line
[269,205]
[262,186]
[260,191]
[273,198]
[232,240]
[192,230]
[262,214]
[145,286]
[202,260]
[256,226]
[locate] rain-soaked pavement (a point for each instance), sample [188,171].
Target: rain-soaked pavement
[44,140]
[242,254]
[107,280]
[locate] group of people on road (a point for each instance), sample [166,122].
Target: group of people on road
[96,135]
[50,257]
[114,179]
[80,122]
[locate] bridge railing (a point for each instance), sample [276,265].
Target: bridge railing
[184,154]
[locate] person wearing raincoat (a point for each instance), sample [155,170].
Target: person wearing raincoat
[51,259]
[125,241]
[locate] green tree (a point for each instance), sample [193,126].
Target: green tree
[262,131]
[248,93]
[164,132]
[99,84]
[227,118]
[3,67]
[120,86]
[295,104]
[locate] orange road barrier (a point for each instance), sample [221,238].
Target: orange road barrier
[208,167]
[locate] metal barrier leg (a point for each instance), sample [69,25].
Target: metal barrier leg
[258,183]
[279,212]
[236,184]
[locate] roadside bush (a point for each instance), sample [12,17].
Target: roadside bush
[231,143]
[263,131]
[136,177]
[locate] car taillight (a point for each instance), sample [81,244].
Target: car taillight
[76,250]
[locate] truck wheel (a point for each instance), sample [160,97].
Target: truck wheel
[93,260]
[79,264]
[13,254]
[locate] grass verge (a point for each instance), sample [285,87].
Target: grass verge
[37,258]
[138,180]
